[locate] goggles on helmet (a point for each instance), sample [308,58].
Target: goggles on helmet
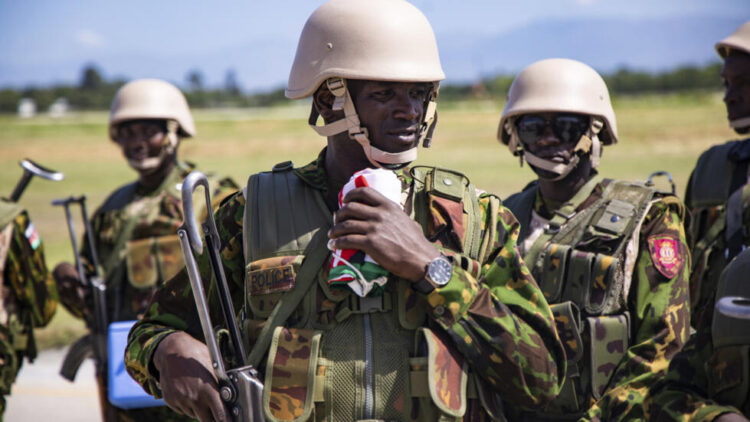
[567,127]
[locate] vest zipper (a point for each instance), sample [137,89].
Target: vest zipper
[369,379]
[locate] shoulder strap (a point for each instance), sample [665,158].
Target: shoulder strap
[559,219]
[521,204]
[119,198]
[281,214]
[711,181]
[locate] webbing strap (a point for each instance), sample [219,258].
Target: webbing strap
[315,256]
[473,234]
[734,233]
[560,217]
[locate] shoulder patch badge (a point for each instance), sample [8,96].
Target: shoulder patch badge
[32,236]
[666,254]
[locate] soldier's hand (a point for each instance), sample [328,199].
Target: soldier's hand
[731,417]
[372,223]
[188,383]
[73,294]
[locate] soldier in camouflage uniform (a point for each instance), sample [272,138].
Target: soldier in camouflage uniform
[28,297]
[709,379]
[460,321]
[135,229]
[609,255]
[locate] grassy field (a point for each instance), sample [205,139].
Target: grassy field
[656,133]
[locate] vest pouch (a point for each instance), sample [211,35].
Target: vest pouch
[169,256]
[152,259]
[267,280]
[412,307]
[615,218]
[609,341]
[569,328]
[728,372]
[140,261]
[446,376]
[291,369]
[554,267]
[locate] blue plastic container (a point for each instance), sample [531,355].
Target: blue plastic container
[124,392]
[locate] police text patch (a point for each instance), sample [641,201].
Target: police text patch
[269,280]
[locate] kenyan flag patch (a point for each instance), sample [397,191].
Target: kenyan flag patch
[32,236]
[666,254]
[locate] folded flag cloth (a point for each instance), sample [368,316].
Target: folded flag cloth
[353,268]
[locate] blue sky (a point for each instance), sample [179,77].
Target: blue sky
[48,41]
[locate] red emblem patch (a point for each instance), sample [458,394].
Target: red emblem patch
[666,254]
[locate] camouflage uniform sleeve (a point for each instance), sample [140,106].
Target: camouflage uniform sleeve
[27,275]
[500,321]
[658,302]
[682,394]
[173,308]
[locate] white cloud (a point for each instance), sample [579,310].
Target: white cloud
[89,38]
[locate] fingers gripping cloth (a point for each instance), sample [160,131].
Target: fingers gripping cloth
[353,268]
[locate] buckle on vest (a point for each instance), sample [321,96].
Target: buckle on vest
[552,228]
[354,304]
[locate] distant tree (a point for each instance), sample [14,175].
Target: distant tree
[91,78]
[231,85]
[195,80]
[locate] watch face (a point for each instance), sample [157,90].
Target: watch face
[440,271]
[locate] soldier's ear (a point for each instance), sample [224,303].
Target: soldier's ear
[323,103]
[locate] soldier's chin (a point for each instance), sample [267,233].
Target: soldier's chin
[544,174]
[145,166]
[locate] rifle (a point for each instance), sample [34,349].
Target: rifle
[95,343]
[31,169]
[240,388]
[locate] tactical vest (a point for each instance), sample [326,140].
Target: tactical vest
[579,263]
[339,356]
[143,263]
[716,196]
[728,369]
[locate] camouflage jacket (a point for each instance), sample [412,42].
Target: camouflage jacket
[685,393]
[654,303]
[492,312]
[135,232]
[29,296]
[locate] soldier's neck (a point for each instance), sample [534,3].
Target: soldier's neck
[561,191]
[153,180]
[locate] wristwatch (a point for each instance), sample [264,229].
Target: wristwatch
[437,274]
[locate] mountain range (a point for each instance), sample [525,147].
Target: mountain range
[652,44]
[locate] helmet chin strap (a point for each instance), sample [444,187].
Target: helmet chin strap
[150,164]
[588,144]
[741,123]
[350,123]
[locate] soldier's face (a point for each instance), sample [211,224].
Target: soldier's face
[391,111]
[141,139]
[736,76]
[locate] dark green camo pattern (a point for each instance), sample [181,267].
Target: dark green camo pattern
[500,321]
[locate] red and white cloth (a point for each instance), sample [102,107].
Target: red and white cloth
[351,267]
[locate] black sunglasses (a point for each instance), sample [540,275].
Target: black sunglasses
[566,127]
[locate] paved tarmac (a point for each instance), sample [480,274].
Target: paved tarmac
[41,394]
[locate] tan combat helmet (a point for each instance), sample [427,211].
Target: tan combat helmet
[384,40]
[560,85]
[152,99]
[740,41]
